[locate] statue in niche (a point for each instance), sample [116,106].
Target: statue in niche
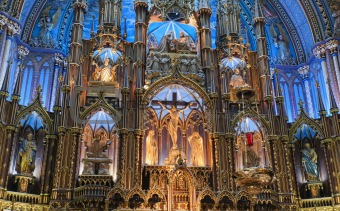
[173,124]
[197,153]
[26,158]
[151,149]
[183,42]
[335,7]
[310,163]
[96,160]
[152,62]
[236,80]
[281,44]
[247,157]
[165,62]
[98,148]
[47,24]
[185,63]
[166,44]
[194,66]
[107,73]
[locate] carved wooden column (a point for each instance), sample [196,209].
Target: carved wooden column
[262,50]
[48,168]
[206,50]
[331,149]
[122,161]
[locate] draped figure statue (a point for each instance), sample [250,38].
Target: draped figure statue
[236,80]
[151,149]
[197,153]
[107,73]
[310,163]
[26,158]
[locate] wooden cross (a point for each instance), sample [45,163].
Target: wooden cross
[174,101]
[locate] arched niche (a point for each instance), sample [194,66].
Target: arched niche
[29,154]
[310,162]
[99,145]
[187,127]
[251,145]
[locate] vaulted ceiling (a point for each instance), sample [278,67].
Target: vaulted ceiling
[305,21]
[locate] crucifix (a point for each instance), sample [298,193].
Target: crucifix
[174,115]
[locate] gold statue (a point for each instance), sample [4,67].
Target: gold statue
[26,158]
[173,124]
[197,154]
[107,73]
[151,149]
[237,80]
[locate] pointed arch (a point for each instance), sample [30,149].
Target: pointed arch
[226,194]
[36,106]
[254,116]
[304,119]
[101,103]
[207,192]
[134,191]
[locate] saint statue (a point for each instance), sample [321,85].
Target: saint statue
[310,163]
[282,49]
[166,44]
[197,154]
[98,148]
[46,24]
[26,158]
[96,160]
[236,80]
[107,73]
[152,63]
[173,124]
[281,43]
[183,42]
[151,149]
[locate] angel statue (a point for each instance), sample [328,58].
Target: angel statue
[47,24]
[281,43]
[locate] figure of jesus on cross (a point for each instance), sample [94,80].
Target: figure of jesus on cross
[174,117]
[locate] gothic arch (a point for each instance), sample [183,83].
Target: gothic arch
[153,191]
[36,106]
[226,194]
[304,119]
[100,103]
[187,173]
[245,194]
[175,78]
[254,116]
[206,192]
[113,192]
[134,191]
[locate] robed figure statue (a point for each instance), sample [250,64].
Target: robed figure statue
[310,163]
[26,156]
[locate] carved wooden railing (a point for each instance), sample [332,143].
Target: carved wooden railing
[316,202]
[22,197]
[91,191]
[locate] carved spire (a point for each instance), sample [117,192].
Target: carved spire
[278,88]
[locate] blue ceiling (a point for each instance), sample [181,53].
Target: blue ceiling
[290,14]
